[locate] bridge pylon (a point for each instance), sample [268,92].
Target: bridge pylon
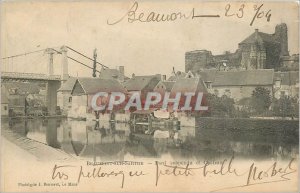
[51,52]
[64,63]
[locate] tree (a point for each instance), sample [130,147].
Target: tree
[286,106]
[261,99]
[220,106]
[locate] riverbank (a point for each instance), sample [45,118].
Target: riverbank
[31,149]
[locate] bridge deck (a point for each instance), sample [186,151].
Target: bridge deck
[28,76]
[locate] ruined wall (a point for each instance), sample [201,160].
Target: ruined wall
[197,60]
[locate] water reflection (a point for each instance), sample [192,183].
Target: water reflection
[102,141]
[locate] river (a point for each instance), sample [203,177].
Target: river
[106,141]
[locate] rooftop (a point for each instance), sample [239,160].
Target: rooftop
[259,37]
[169,85]
[238,78]
[138,83]
[189,85]
[94,85]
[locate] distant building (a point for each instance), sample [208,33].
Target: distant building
[179,75]
[64,97]
[258,51]
[83,91]
[237,84]
[118,74]
[286,83]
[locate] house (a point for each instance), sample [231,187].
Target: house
[192,85]
[83,91]
[188,85]
[286,83]
[4,101]
[164,86]
[64,97]
[142,84]
[118,74]
[237,84]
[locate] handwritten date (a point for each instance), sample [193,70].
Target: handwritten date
[259,12]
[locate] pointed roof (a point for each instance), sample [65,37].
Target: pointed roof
[169,85]
[259,37]
[189,85]
[179,75]
[138,83]
[109,73]
[94,85]
[68,85]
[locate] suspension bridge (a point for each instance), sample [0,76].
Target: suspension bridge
[49,66]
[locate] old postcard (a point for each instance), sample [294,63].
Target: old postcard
[142,96]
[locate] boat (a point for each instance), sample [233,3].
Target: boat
[146,120]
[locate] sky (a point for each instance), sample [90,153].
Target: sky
[144,48]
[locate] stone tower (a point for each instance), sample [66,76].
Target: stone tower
[282,37]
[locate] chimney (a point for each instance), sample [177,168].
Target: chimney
[121,71]
[159,76]
[173,71]
[164,77]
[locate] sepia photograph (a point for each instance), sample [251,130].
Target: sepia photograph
[149,96]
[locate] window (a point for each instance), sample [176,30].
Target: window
[282,93]
[277,83]
[5,108]
[208,85]
[70,99]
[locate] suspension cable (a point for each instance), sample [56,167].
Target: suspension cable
[23,54]
[85,56]
[82,63]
